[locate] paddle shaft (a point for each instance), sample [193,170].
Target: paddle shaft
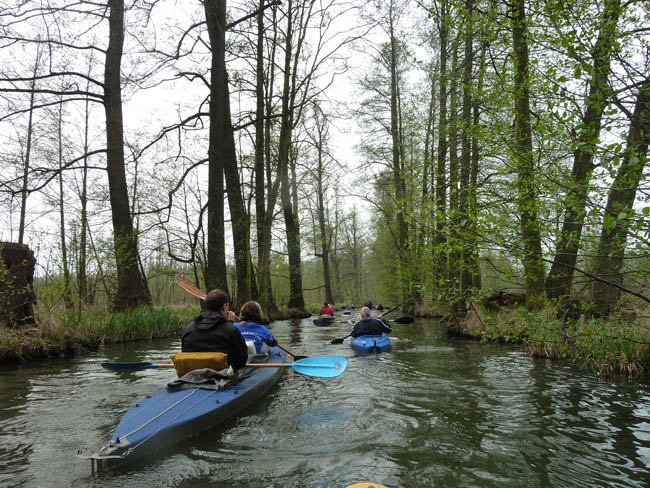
[254,365]
[296,357]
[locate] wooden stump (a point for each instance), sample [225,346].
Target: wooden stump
[17,296]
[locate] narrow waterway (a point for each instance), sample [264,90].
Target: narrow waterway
[433,412]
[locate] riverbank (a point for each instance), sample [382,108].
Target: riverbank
[619,344]
[64,334]
[68,333]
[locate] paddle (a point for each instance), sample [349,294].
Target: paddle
[404,320]
[319,366]
[340,340]
[190,288]
[134,366]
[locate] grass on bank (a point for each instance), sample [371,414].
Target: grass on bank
[64,332]
[619,344]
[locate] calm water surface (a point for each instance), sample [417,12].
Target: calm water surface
[432,412]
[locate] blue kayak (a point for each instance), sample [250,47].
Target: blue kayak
[165,418]
[370,343]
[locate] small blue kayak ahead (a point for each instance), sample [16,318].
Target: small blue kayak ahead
[370,343]
[167,417]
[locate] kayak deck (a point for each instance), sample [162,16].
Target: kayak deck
[165,418]
[370,343]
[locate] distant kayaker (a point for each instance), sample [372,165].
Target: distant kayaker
[326,310]
[369,325]
[251,329]
[213,331]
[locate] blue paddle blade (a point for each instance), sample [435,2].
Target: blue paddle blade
[320,366]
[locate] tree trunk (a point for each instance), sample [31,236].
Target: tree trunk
[267,300]
[523,154]
[17,296]
[28,151]
[320,203]
[397,163]
[260,202]
[440,239]
[296,299]
[465,213]
[67,282]
[561,274]
[454,237]
[224,146]
[474,258]
[82,278]
[131,290]
[215,276]
[619,212]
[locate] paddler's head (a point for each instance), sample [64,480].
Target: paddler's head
[217,301]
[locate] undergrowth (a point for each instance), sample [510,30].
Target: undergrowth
[618,344]
[65,332]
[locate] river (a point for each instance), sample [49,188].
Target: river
[435,411]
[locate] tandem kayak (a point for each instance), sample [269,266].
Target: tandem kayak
[370,343]
[167,417]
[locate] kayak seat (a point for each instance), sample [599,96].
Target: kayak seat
[184,362]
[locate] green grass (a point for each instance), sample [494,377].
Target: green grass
[61,332]
[140,323]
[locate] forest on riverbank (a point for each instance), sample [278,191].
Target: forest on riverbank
[335,151]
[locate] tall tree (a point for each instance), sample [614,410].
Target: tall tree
[440,239]
[560,275]
[67,281]
[523,156]
[397,162]
[28,148]
[318,139]
[619,211]
[223,160]
[131,289]
[215,276]
[464,205]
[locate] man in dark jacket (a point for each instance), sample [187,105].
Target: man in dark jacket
[370,326]
[214,331]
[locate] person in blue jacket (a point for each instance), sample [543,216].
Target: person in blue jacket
[369,325]
[251,329]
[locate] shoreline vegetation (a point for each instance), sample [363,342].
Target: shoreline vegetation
[619,345]
[66,334]
[616,345]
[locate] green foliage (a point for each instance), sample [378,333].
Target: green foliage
[66,332]
[140,323]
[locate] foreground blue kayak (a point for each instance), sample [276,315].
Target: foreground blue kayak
[370,343]
[165,418]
